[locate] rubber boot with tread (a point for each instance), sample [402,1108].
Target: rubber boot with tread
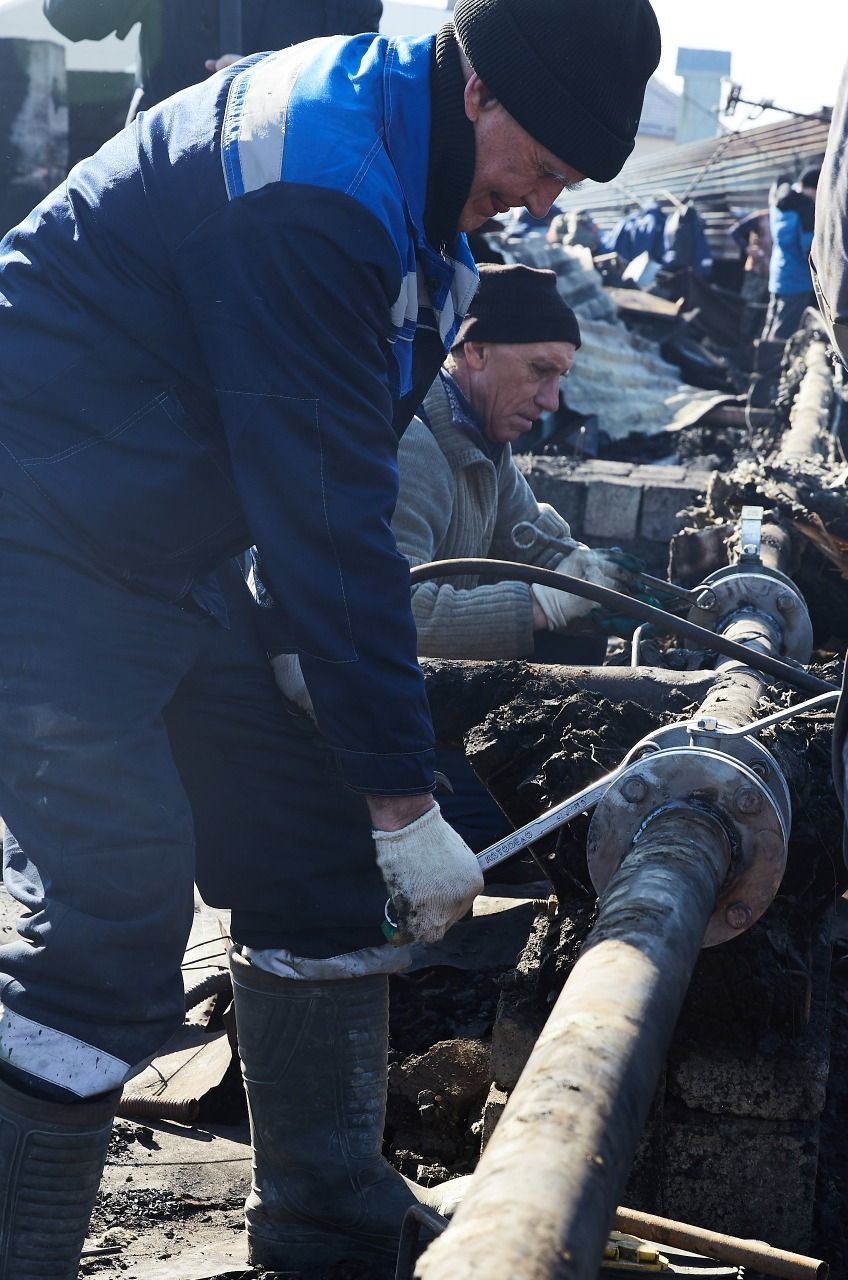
[51,1161]
[314,1061]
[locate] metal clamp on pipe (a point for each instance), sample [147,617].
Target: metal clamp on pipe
[749,588]
[730,592]
[751,806]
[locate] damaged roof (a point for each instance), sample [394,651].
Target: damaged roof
[726,176]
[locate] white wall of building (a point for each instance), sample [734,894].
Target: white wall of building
[403,19]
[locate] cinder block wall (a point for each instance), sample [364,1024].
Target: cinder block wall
[617,503]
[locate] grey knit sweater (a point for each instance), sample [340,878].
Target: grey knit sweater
[456,502]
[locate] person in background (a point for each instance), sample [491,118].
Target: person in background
[792,220]
[575,229]
[753,236]
[180,41]
[639,231]
[462,495]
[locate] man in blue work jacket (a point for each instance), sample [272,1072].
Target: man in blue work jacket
[210,337]
[792,216]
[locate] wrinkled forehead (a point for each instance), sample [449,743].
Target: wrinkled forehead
[547,357]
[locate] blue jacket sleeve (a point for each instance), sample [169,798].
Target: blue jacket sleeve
[290,290]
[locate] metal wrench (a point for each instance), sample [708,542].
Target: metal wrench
[525,535]
[551,820]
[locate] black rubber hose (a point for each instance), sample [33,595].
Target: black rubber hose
[616,602]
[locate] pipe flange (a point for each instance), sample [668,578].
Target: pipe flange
[730,591]
[706,779]
[750,751]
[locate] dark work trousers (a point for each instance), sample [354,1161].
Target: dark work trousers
[143,746]
[783,318]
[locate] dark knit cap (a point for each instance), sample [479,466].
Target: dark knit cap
[518,304]
[573,73]
[810,177]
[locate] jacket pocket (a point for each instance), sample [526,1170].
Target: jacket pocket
[153,489]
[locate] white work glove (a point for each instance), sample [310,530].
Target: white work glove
[561,610]
[289,677]
[431,875]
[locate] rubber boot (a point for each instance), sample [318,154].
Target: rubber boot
[314,1060]
[51,1161]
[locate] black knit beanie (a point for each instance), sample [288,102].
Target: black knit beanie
[573,73]
[518,304]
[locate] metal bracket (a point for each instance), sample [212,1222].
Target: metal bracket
[708,725]
[751,535]
[700,776]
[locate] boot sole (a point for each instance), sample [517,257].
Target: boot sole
[299,1248]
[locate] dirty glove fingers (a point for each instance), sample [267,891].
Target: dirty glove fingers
[560,608]
[603,568]
[431,875]
[612,575]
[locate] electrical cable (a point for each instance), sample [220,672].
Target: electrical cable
[617,602]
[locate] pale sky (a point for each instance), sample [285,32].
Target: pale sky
[791,51]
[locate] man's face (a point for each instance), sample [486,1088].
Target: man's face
[511,169]
[510,385]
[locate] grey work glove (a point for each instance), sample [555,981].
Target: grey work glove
[431,875]
[562,610]
[289,677]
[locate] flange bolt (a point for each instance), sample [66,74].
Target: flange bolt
[738,915]
[786,603]
[634,789]
[747,801]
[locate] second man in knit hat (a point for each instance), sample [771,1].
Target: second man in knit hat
[461,494]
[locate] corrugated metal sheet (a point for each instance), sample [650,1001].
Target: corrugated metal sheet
[726,176]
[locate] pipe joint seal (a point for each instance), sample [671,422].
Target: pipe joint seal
[755,816]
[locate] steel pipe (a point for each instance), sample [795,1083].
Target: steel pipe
[737,689]
[461,694]
[808,436]
[618,602]
[755,1255]
[776,547]
[542,1200]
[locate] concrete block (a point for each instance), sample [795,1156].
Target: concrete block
[749,1178]
[661,504]
[788,1085]
[517,1026]
[612,509]
[559,483]
[492,1112]
[601,469]
[650,475]
[521,1015]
